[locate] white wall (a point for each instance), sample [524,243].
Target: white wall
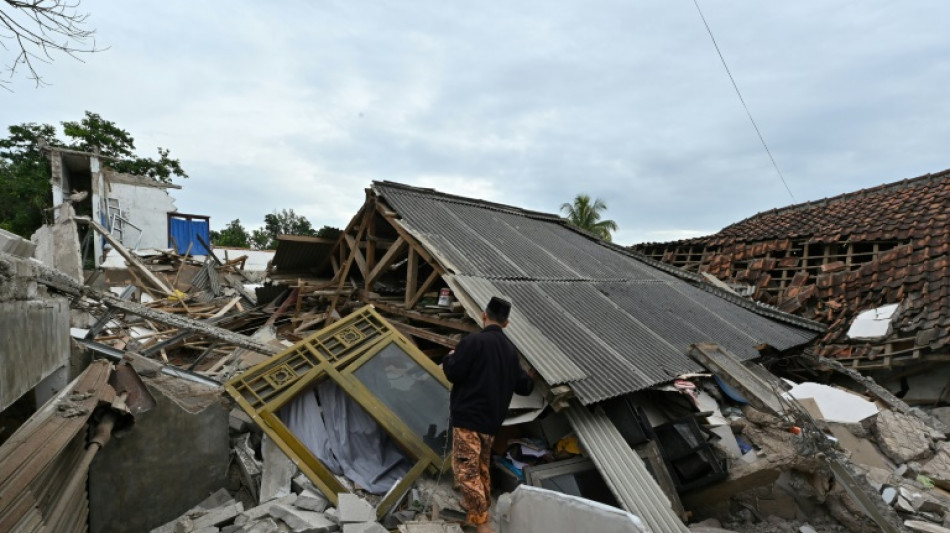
[146,208]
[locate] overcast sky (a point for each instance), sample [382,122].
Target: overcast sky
[301,105]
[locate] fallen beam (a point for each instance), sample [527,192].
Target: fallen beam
[56,280]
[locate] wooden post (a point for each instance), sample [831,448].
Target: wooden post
[412,276]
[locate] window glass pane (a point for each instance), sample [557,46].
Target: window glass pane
[409,391]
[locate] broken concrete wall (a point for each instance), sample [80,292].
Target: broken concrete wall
[175,455]
[57,244]
[34,329]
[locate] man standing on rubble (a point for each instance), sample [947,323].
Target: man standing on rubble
[485,372]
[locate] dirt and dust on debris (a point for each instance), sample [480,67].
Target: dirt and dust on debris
[840,456]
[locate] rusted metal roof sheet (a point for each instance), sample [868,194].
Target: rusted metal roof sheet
[39,459]
[584,312]
[623,470]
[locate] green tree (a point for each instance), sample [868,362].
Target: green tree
[584,214]
[286,222]
[261,239]
[283,222]
[233,234]
[25,192]
[94,132]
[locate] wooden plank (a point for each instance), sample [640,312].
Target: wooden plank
[413,331]
[358,254]
[731,370]
[341,278]
[124,252]
[227,307]
[422,289]
[370,242]
[384,262]
[412,275]
[458,325]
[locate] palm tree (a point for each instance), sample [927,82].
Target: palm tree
[586,215]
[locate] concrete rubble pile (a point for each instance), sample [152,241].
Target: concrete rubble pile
[804,465]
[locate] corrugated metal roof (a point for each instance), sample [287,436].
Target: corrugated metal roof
[556,366]
[38,460]
[623,470]
[584,312]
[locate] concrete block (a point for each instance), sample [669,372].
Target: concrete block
[877,478]
[239,421]
[903,505]
[219,515]
[938,468]
[444,527]
[263,509]
[364,527]
[13,244]
[233,528]
[302,483]
[277,473]
[925,527]
[209,529]
[355,509]
[300,520]
[184,525]
[332,514]
[942,414]
[902,438]
[216,499]
[940,507]
[311,501]
[267,525]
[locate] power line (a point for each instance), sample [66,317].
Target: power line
[741,99]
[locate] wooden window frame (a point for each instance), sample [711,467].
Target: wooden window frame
[335,353]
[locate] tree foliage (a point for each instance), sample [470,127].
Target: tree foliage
[24,179]
[585,214]
[25,192]
[35,30]
[283,222]
[94,132]
[233,235]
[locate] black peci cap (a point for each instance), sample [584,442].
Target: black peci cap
[498,308]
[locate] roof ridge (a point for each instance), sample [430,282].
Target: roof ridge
[823,202]
[465,200]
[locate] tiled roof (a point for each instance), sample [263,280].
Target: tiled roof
[897,210]
[903,231]
[590,314]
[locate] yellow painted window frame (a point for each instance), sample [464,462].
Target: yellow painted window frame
[336,352]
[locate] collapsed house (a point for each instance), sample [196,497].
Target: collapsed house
[652,410]
[596,323]
[872,265]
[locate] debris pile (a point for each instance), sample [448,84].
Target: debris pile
[804,468]
[328,409]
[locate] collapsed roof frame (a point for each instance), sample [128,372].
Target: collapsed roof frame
[337,353]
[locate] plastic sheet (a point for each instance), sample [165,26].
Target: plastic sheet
[345,438]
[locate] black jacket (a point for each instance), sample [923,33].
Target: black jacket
[484,371]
